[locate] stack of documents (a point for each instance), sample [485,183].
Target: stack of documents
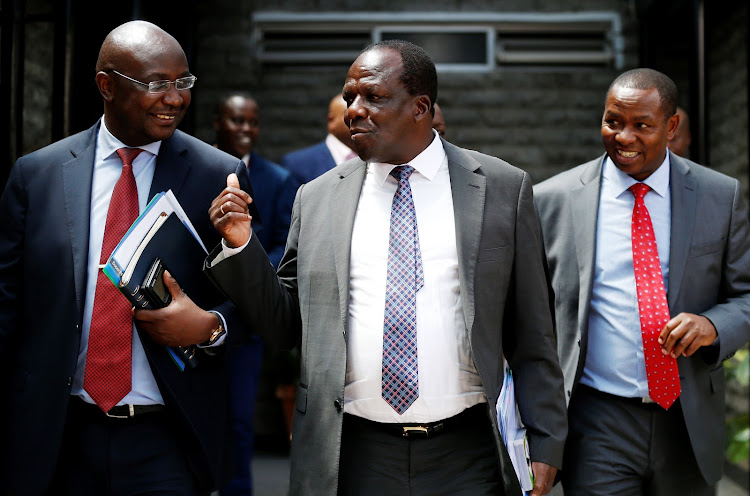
[163,230]
[513,431]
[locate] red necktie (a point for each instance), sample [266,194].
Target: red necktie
[661,370]
[107,376]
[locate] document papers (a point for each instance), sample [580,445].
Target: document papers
[127,253]
[513,431]
[162,231]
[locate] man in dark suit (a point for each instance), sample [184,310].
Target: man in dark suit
[643,331]
[237,125]
[167,431]
[308,163]
[470,290]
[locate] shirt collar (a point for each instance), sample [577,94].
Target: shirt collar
[658,181]
[108,144]
[426,163]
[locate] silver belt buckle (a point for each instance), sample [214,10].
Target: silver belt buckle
[131,413]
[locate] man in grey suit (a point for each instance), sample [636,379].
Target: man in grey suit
[624,437]
[482,296]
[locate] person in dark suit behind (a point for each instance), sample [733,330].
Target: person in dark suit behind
[237,125]
[308,163]
[470,290]
[138,424]
[643,331]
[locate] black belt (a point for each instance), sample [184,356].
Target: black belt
[468,417]
[641,402]
[116,412]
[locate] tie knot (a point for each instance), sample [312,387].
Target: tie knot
[402,172]
[639,190]
[127,155]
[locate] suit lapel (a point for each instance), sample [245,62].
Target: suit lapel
[584,210]
[468,190]
[77,176]
[683,192]
[172,166]
[343,208]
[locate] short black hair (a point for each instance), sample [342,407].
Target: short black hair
[224,98]
[419,76]
[645,79]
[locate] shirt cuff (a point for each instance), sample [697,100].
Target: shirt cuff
[221,339]
[227,252]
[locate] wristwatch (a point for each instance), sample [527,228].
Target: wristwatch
[215,335]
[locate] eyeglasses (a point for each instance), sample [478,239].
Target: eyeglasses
[184,83]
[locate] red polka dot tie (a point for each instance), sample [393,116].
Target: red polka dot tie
[661,370]
[107,378]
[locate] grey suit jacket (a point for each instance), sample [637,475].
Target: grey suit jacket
[503,291]
[709,274]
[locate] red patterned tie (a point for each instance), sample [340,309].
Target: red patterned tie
[107,376]
[661,370]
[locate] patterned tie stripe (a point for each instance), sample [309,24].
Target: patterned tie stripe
[400,382]
[661,370]
[107,377]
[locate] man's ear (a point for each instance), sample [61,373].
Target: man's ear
[104,84]
[672,124]
[422,106]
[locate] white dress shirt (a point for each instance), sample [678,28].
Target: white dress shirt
[614,358]
[107,169]
[448,380]
[339,151]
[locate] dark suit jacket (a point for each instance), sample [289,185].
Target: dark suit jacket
[273,196]
[503,292]
[308,163]
[43,268]
[709,274]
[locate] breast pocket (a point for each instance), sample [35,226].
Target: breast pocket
[707,248]
[498,254]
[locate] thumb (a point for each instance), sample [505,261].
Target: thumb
[233,181]
[171,283]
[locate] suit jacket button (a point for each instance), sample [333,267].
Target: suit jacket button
[338,405]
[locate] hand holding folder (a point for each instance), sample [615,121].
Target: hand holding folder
[162,232]
[513,431]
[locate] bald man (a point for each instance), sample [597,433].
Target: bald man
[68,427]
[308,163]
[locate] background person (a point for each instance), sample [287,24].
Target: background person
[679,142]
[237,125]
[308,163]
[438,121]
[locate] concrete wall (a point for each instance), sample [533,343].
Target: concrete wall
[544,121]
